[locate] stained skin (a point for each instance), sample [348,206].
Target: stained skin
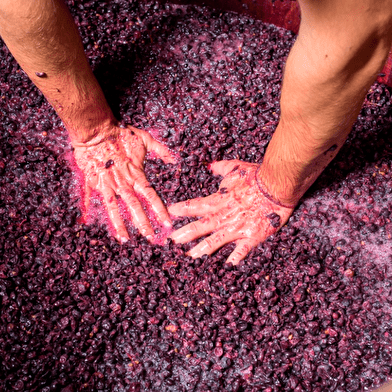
[239,212]
[114,166]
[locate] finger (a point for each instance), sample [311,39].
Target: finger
[222,168]
[193,230]
[161,150]
[143,188]
[139,217]
[198,206]
[212,243]
[243,247]
[114,215]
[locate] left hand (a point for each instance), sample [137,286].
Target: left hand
[238,212]
[114,166]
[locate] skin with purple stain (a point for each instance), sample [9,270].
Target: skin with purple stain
[247,218]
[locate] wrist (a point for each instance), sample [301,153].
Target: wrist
[266,193]
[296,155]
[287,163]
[87,117]
[87,137]
[278,187]
[88,120]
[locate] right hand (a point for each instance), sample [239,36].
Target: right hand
[240,211]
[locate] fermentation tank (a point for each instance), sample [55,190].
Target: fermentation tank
[310,305]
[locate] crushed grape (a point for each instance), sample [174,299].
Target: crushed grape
[308,310]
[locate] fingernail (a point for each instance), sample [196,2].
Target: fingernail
[149,237]
[124,240]
[167,223]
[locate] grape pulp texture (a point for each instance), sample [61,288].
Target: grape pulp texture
[308,310]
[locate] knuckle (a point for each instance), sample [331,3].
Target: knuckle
[245,248]
[218,237]
[111,202]
[150,193]
[209,242]
[193,226]
[122,189]
[205,220]
[144,224]
[133,202]
[128,178]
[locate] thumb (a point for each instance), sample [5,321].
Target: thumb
[222,168]
[159,149]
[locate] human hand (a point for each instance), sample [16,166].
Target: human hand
[241,211]
[113,166]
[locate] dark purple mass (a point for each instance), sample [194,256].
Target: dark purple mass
[274,219]
[109,163]
[308,310]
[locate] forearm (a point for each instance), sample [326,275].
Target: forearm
[43,38]
[338,53]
